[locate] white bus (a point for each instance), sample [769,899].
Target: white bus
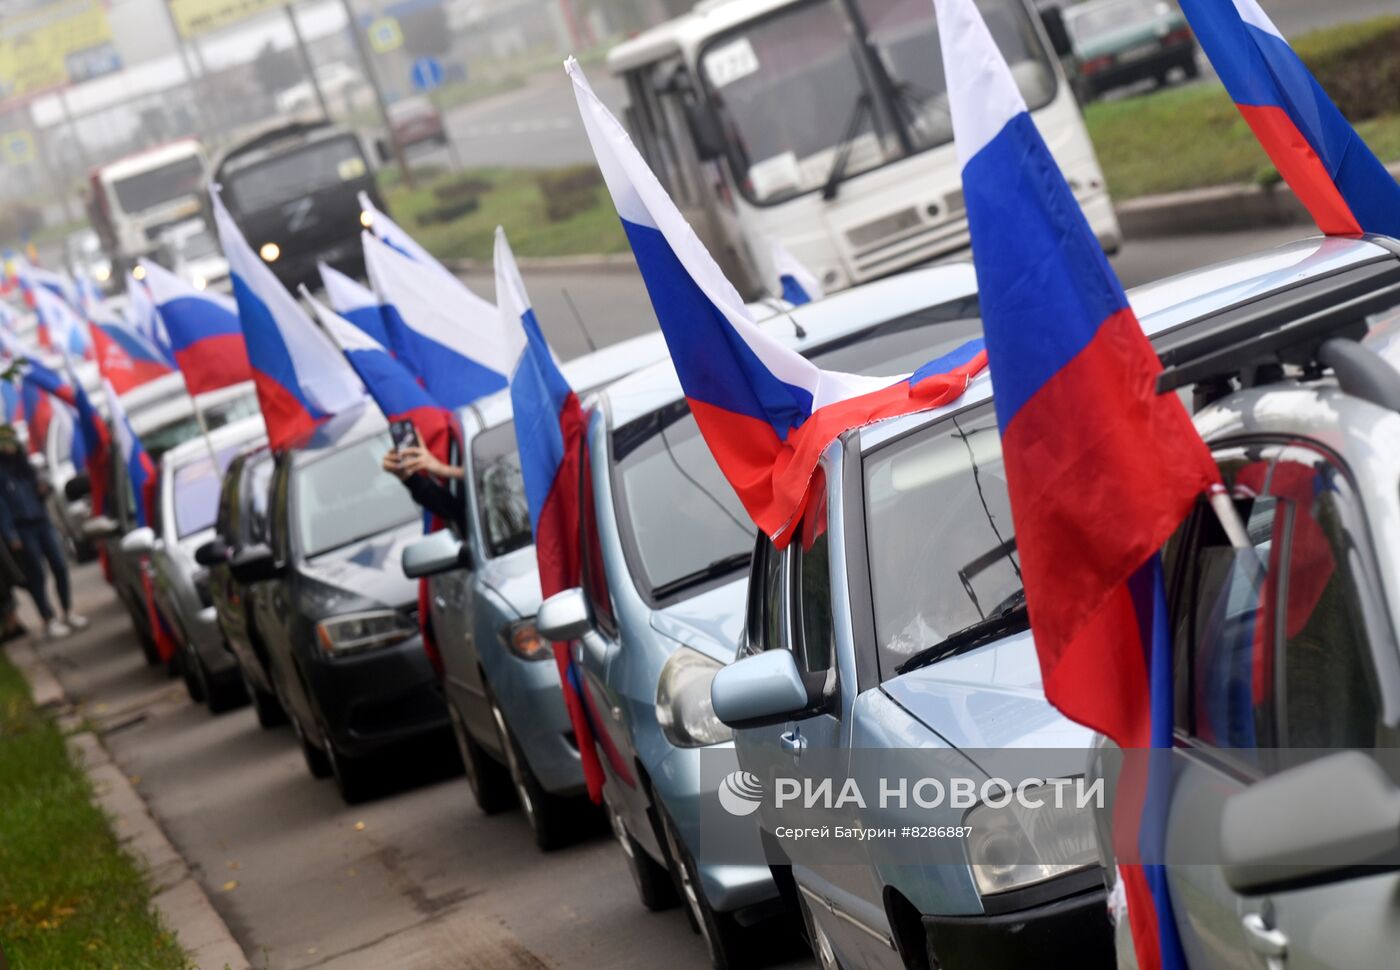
[136,199]
[824,125]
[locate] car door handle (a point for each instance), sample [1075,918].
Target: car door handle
[439,602]
[792,741]
[1264,940]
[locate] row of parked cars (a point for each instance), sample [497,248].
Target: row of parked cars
[894,622]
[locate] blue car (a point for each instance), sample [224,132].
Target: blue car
[500,678]
[666,549]
[897,624]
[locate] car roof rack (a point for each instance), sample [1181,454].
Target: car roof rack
[1252,343]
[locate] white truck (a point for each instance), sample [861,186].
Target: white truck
[136,199]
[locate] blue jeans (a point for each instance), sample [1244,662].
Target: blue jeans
[40,543]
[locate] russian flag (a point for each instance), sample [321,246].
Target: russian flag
[302,380]
[447,335]
[796,283]
[355,303]
[399,395]
[123,356]
[48,380]
[96,441]
[142,318]
[139,467]
[1100,468]
[390,233]
[205,337]
[548,430]
[1340,181]
[765,411]
[65,327]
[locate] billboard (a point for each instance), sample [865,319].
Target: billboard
[198,16]
[58,44]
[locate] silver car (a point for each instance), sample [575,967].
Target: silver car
[186,506]
[1282,832]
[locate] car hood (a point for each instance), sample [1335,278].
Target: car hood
[988,698]
[515,578]
[710,622]
[371,568]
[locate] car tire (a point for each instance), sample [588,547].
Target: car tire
[144,638]
[822,950]
[265,704]
[1191,66]
[355,778]
[316,760]
[655,887]
[550,818]
[725,940]
[195,677]
[490,780]
[225,691]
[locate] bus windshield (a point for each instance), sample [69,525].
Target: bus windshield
[795,90]
[146,190]
[294,174]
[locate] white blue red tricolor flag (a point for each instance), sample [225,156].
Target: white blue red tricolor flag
[139,467]
[1344,186]
[66,328]
[96,442]
[205,337]
[123,356]
[796,283]
[399,395]
[356,303]
[448,336]
[1100,468]
[765,411]
[142,318]
[548,432]
[301,378]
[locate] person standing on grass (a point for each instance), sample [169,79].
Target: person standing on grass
[26,529]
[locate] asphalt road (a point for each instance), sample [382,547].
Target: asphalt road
[417,879]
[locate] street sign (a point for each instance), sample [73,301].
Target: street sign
[17,147]
[385,35]
[426,74]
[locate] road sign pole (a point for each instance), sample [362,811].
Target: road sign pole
[358,37]
[306,64]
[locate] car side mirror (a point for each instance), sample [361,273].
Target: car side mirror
[255,564]
[1054,20]
[215,552]
[705,129]
[764,689]
[440,552]
[101,527]
[564,616]
[139,542]
[1322,822]
[78,487]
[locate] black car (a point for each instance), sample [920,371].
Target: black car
[331,603]
[241,524]
[294,193]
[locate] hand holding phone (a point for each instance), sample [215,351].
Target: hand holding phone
[404,435]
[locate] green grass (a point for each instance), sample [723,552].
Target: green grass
[1192,137]
[70,898]
[513,200]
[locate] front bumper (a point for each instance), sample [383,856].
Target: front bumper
[532,702]
[1071,932]
[371,701]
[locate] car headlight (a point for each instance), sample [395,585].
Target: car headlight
[357,632]
[683,707]
[522,639]
[269,252]
[102,274]
[366,218]
[1021,843]
[200,282]
[138,272]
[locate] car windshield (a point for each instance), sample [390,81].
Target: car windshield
[684,524]
[792,87]
[199,244]
[231,410]
[196,492]
[505,514]
[947,480]
[1095,20]
[159,440]
[345,496]
[146,190]
[295,174]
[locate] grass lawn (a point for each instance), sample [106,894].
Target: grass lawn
[1190,137]
[70,898]
[511,198]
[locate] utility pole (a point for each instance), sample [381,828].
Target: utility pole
[306,61]
[201,113]
[367,65]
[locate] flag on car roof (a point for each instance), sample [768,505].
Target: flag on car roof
[302,380]
[448,336]
[1335,175]
[1100,468]
[355,303]
[548,431]
[205,337]
[65,328]
[796,283]
[123,356]
[140,470]
[142,318]
[393,388]
[97,442]
[48,380]
[765,411]
[389,232]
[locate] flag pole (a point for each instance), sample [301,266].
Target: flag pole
[204,430]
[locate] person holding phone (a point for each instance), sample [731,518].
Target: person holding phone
[423,474]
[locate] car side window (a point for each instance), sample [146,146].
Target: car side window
[811,578]
[764,619]
[595,579]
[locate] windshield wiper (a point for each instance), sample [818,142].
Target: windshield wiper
[720,567]
[837,175]
[1010,617]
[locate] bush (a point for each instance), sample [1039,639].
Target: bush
[460,188]
[1360,69]
[569,191]
[449,211]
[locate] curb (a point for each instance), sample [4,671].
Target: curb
[605,263]
[1224,208]
[175,892]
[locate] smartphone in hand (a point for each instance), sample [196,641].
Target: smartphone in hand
[404,434]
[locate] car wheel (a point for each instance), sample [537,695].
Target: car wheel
[490,781]
[724,939]
[196,680]
[1191,66]
[548,816]
[354,777]
[265,704]
[816,936]
[143,637]
[655,887]
[225,691]
[316,760]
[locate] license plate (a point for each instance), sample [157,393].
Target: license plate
[1138,53]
